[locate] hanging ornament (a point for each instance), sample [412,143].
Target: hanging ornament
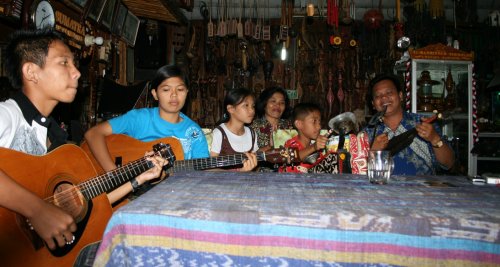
[335,40]
[420,6]
[373,18]
[408,85]
[436,8]
[333,13]
[475,128]
[310,10]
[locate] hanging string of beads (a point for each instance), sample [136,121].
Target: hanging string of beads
[408,85]
[475,128]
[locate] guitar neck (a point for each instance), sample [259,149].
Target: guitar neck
[113,179]
[213,162]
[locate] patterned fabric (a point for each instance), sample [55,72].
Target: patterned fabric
[359,147]
[416,159]
[271,219]
[303,167]
[328,164]
[87,255]
[146,125]
[264,130]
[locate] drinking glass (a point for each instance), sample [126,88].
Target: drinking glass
[380,166]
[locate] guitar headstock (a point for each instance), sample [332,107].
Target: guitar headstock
[165,151]
[283,155]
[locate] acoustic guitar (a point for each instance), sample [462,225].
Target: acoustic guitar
[61,178]
[124,148]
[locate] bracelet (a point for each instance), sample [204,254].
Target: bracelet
[438,144]
[135,184]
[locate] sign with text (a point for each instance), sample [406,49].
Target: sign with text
[292,94]
[74,30]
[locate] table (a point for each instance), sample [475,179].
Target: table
[271,219]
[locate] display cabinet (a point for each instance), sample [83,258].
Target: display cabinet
[440,78]
[487,159]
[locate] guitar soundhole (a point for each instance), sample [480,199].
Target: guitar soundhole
[68,198]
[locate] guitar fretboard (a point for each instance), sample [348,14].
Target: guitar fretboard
[213,162]
[113,179]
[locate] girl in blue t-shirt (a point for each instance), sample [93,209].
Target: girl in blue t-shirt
[147,124]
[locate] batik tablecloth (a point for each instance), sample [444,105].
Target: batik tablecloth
[267,219]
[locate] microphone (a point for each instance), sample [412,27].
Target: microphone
[377,117]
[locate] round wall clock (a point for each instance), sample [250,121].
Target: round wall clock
[42,14]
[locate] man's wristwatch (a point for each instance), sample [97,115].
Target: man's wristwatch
[135,184]
[438,144]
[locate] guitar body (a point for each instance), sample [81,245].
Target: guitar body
[128,148]
[42,175]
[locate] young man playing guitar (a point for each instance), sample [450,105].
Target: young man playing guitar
[42,67]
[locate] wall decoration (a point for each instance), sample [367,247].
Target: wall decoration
[42,14]
[77,4]
[108,13]
[120,16]
[11,8]
[130,65]
[130,28]
[96,8]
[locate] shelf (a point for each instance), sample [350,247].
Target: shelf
[459,116]
[489,134]
[454,116]
[456,123]
[489,158]
[442,65]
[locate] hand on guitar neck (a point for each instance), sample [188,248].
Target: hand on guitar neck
[425,130]
[100,153]
[443,153]
[250,163]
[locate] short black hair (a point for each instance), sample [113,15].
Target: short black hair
[378,78]
[301,110]
[27,46]
[166,72]
[260,106]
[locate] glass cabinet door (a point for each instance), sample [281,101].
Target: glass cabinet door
[445,86]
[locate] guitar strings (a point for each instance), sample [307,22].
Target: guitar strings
[103,181]
[211,162]
[95,183]
[219,161]
[126,170]
[100,181]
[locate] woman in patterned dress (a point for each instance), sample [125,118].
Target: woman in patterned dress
[272,114]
